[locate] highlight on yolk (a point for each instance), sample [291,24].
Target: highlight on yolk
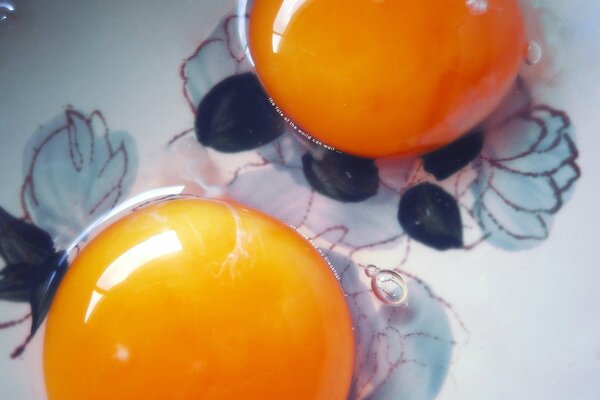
[198,299]
[386,77]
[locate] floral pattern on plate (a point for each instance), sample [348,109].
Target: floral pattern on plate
[75,171]
[524,157]
[513,174]
[501,183]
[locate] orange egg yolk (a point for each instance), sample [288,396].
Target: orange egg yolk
[386,77]
[198,299]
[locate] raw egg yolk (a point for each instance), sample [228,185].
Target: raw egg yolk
[198,299]
[386,77]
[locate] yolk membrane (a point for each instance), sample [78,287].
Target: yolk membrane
[198,299]
[386,77]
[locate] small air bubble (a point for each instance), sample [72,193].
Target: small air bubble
[388,286]
[371,271]
[534,53]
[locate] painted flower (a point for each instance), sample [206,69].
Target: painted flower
[526,173]
[75,171]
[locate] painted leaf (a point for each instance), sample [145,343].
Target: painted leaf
[33,270]
[15,281]
[236,115]
[46,283]
[22,242]
[431,216]
[450,159]
[341,176]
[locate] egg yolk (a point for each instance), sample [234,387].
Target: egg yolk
[386,77]
[198,299]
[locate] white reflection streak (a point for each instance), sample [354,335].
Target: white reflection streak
[151,249]
[7,5]
[478,7]
[241,13]
[96,297]
[140,198]
[276,41]
[155,247]
[285,14]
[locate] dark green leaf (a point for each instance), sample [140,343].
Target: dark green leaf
[236,115]
[341,176]
[431,216]
[22,242]
[450,159]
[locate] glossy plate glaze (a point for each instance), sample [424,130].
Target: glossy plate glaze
[495,234]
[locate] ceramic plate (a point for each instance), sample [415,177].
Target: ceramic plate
[98,105]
